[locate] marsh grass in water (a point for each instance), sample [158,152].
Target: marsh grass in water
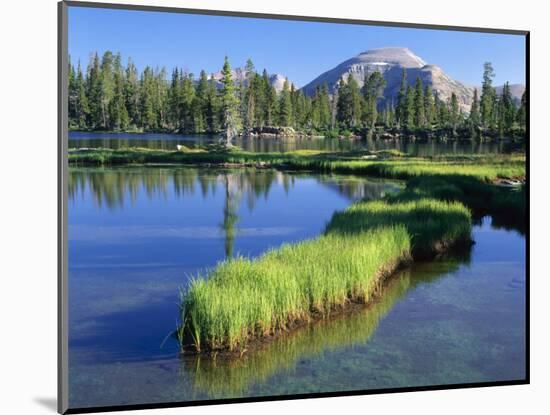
[433,226]
[227,376]
[245,299]
[221,376]
[383,163]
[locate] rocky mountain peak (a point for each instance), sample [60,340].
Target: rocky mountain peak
[391,62]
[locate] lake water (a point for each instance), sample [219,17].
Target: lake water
[136,235]
[170,141]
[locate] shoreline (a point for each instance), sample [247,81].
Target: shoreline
[384,135]
[383,163]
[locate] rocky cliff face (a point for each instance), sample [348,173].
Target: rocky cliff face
[391,62]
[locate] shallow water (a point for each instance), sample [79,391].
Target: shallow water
[136,235]
[170,141]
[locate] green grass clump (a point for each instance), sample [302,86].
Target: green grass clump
[243,299]
[433,225]
[220,377]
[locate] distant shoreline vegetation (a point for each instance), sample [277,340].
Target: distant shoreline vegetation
[110,97]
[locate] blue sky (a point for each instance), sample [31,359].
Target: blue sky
[299,50]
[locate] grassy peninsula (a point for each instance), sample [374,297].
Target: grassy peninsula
[245,299]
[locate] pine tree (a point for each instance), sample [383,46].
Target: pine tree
[187,96]
[454,111]
[246,95]
[73,95]
[521,115]
[342,98]
[285,105]
[249,70]
[325,112]
[442,112]
[474,110]
[174,100]
[373,89]
[83,110]
[160,100]
[348,106]
[488,94]
[107,87]
[495,114]
[429,106]
[118,115]
[409,112]
[132,94]
[315,109]
[250,100]
[199,103]
[304,110]
[229,105]
[389,115]
[507,108]
[419,109]
[212,108]
[249,96]
[147,109]
[355,102]
[259,99]
[93,91]
[401,109]
[269,99]
[294,102]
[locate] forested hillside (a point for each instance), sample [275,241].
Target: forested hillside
[110,96]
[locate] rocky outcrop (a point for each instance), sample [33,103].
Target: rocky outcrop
[268,131]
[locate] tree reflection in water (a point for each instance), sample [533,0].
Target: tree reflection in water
[119,188]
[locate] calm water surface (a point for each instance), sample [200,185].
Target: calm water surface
[170,141]
[136,235]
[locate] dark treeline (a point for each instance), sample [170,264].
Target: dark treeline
[107,95]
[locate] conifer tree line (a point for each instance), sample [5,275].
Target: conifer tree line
[106,95]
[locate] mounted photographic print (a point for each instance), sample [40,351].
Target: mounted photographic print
[257,207]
